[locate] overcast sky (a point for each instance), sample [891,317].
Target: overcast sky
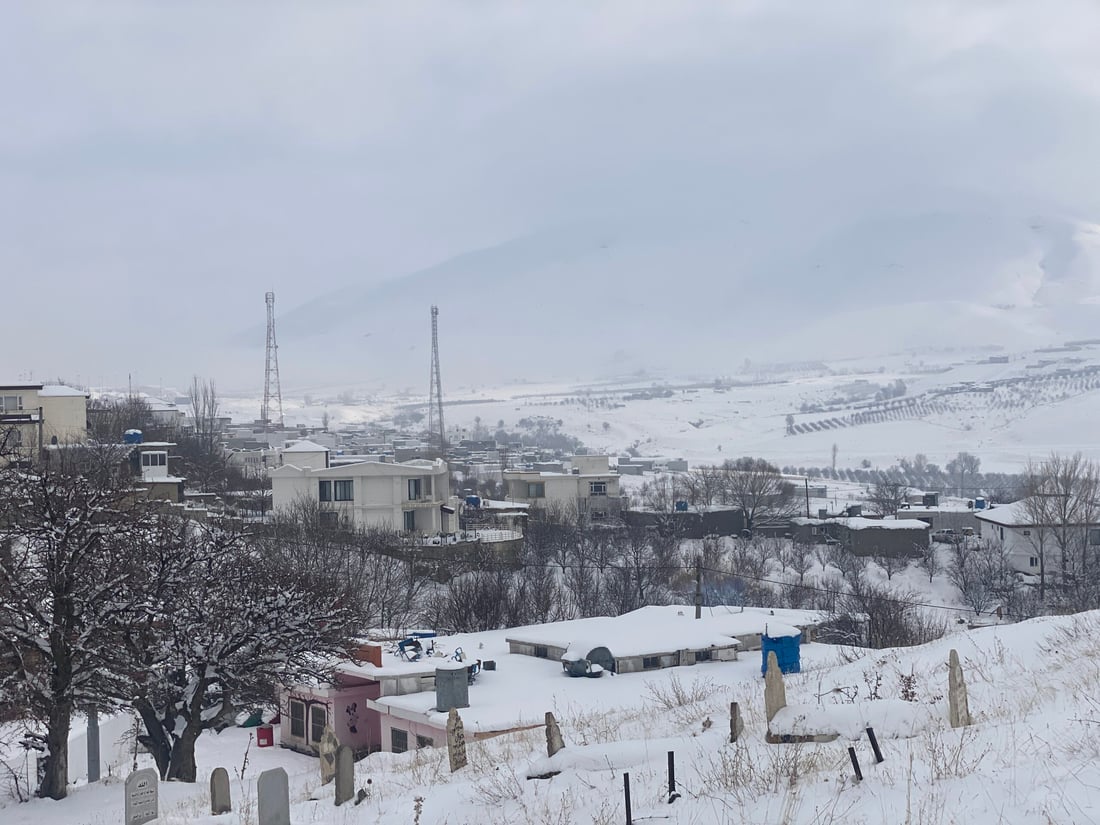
[163,164]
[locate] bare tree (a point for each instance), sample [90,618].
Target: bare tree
[886,497]
[891,564]
[759,490]
[964,465]
[929,559]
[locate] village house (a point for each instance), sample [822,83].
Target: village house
[33,416]
[864,536]
[1023,539]
[412,496]
[587,484]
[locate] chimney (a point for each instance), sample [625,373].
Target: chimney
[366,654]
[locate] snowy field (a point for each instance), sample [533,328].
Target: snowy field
[1032,755]
[1003,413]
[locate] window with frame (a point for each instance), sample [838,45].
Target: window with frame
[154,459]
[1027,532]
[651,662]
[297,719]
[343,490]
[410,520]
[597,488]
[536,489]
[424,742]
[318,719]
[11,403]
[324,490]
[1033,561]
[399,740]
[702,655]
[541,652]
[414,489]
[1094,536]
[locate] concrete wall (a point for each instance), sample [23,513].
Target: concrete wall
[346,708]
[438,735]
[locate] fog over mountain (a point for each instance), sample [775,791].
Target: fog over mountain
[582,188]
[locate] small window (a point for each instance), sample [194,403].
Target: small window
[297,719]
[11,403]
[154,459]
[427,486]
[324,490]
[414,489]
[540,652]
[318,718]
[343,490]
[702,655]
[410,520]
[651,662]
[424,742]
[536,489]
[1094,536]
[1027,532]
[1033,561]
[597,488]
[399,740]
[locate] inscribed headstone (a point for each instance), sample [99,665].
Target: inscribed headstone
[554,742]
[456,741]
[220,800]
[142,796]
[327,750]
[775,694]
[273,795]
[345,774]
[958,706]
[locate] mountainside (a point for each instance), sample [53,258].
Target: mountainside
[705,292]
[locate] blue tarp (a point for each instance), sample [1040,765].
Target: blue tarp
[787,652]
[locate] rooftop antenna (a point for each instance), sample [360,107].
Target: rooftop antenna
[272,391]
[436,431]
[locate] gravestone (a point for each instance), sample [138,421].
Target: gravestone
[456,741]
[958,707]
[273,798]
[327,748]
[775,695]
[142,796]
[220,801]
[737,724]
[345,774]
[93,746]
[554,742]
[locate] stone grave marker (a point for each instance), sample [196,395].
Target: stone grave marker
[958,706]
[142,796]
[345,774]
[737,724]
[456,741]
[273,797]
[554,742]
[327,748]
[220,800]
[775,694]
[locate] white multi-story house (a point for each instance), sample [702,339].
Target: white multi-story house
[33,416]
[412,496]
[590,486]
[1024,540]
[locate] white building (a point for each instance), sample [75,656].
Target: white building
[1024,540]
[412,496]
[33,416]
[590,485]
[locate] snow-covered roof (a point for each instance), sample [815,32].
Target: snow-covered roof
[60,391]
[305,447]
[658,629]
[490,504]
[860,523]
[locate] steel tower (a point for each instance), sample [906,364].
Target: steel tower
[272,390]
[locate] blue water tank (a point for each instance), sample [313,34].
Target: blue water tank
[979,503]
[473,501]
[681,506]
[132,437]
[787,652]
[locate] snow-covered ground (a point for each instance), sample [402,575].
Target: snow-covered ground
[1031,756]
[1012,412]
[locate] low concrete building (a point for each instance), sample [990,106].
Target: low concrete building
[33,416]
[590,486]
[864,536]
[1025,540]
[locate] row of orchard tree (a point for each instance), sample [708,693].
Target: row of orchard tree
[110,601]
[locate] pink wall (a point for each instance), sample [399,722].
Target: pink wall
[414,729]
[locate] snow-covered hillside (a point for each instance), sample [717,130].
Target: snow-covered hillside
[1031,755]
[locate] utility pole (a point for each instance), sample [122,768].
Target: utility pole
[698,587]
[807,497]
[436,429]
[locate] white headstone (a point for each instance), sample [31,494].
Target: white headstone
[326,749]
[142,796]
[958,705]
[273,795]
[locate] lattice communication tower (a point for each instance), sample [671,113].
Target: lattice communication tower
[436,431]
[272,391]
